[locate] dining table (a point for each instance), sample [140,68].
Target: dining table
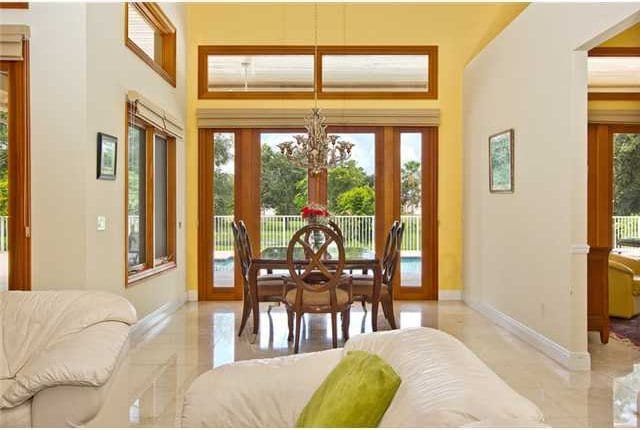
[272,259]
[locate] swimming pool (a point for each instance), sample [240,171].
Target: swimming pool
[408,264]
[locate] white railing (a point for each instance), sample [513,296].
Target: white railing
[625,227]
[359,231]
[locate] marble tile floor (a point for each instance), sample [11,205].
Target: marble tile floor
[162,363]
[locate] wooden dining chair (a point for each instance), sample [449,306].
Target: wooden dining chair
[271,288]
[320,286]
[362,288]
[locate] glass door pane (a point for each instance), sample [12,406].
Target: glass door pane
[4,181]
[283,193]
[411,209]
[351,196]
[224,207]
[626,193]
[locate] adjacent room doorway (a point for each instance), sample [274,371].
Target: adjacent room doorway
[15,222]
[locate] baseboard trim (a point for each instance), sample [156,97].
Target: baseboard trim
[449,295]
[571,360]
[147,322]
[192,295]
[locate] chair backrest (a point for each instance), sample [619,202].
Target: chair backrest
[390,264]
[243,247]
[387,254]
[314,274]
[245,236]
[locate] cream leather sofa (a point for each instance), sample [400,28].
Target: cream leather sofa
[59,351]
[443,385]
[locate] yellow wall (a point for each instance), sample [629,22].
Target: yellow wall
[628,38]
[460,31]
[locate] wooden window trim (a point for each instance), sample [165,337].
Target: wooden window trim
[161,23]
[14,5]
[431,51]
[205,50]
[203,72]
[614,52]
[152,266]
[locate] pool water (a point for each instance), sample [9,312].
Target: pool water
[408,264]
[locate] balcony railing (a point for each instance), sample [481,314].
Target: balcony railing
[358,231]
[625,227]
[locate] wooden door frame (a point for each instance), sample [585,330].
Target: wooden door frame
[599,225]
[387,188]
[429,276]
[19,158]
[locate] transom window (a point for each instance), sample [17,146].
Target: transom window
[331,72]
[152,37]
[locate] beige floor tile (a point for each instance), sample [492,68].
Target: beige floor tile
[162,363]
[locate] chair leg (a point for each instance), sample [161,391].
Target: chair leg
[246,310]
[290,322]
[345,324]
[334,329]
[296,345]
[364,305]
[387,306]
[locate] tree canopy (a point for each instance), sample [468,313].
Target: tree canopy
[223,201]
[284,187]
[281,187]
[626,170]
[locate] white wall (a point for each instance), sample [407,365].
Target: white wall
[522,263]
[80,73]
[113,69]
[58,130]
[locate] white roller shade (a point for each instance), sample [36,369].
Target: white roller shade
[294,118]
[155,115]
[11,37]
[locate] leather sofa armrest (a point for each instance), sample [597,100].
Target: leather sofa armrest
[73,405]
[620,267]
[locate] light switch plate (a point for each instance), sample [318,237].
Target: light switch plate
[102,223]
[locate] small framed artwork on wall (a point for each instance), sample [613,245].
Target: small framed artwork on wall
[501,162]
[107,157]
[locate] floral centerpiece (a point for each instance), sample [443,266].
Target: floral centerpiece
[315,214]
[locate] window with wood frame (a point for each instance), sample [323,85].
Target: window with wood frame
[151,36]
[150,199]
[366,72]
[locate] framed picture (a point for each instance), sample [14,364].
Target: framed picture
[107,156]
[501,162]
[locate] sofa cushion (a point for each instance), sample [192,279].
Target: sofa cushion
[311,298]
[443,383]
[356,393]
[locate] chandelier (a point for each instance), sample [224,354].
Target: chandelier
[316,151]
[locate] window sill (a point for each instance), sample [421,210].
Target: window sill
[171,79]
[143,275]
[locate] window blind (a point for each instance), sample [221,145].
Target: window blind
[11,38]
[155,115]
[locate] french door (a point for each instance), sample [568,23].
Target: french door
[390,175]
[15,230]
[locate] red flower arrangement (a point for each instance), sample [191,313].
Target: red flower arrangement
[314,210]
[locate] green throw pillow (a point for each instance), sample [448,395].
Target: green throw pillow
[356,393]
